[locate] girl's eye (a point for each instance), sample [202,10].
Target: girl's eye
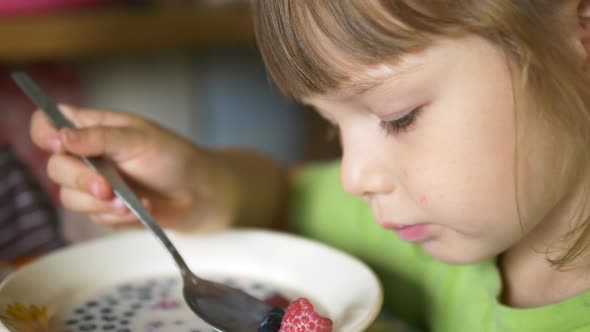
[400,124]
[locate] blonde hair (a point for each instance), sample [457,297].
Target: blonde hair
[296,37]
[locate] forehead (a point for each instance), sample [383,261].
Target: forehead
[432,62]
[375,77]
[372,79]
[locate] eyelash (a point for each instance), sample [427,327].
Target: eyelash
[388,127]
[401,124]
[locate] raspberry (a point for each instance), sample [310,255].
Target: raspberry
[300,317]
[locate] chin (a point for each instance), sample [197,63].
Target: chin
[453,254]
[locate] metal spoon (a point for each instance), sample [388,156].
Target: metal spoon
[223,307]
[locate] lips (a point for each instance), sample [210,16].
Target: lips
[410,233]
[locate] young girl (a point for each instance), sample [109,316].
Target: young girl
[465,128]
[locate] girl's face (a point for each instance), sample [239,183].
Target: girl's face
[432,150]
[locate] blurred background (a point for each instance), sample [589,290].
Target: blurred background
[190,65]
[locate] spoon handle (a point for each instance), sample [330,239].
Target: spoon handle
[100,165]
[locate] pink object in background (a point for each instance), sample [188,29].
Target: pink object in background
[16,7]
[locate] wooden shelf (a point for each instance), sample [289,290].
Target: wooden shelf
[122,31]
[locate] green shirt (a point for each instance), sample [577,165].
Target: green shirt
[420,290]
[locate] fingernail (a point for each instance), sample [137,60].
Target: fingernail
[71,134]
[119,206]
[95,189]
[146,203]
[55,144]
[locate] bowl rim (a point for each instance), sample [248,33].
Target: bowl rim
[178,237]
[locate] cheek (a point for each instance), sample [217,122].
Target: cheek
[465,171]
[466,153]
[423,200]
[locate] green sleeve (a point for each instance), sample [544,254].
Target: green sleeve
[320,209]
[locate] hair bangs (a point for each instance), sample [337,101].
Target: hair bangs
[316,46]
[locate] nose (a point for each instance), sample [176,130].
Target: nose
[364,173]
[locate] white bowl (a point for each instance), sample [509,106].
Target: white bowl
[340,286]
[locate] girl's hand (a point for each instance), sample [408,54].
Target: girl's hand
[183,186]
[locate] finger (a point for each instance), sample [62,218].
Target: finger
[70,172]
[79,201]
[118,143]
[86,117]
[115,220]
[44,134]
[120,218]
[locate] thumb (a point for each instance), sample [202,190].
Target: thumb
[117,143]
